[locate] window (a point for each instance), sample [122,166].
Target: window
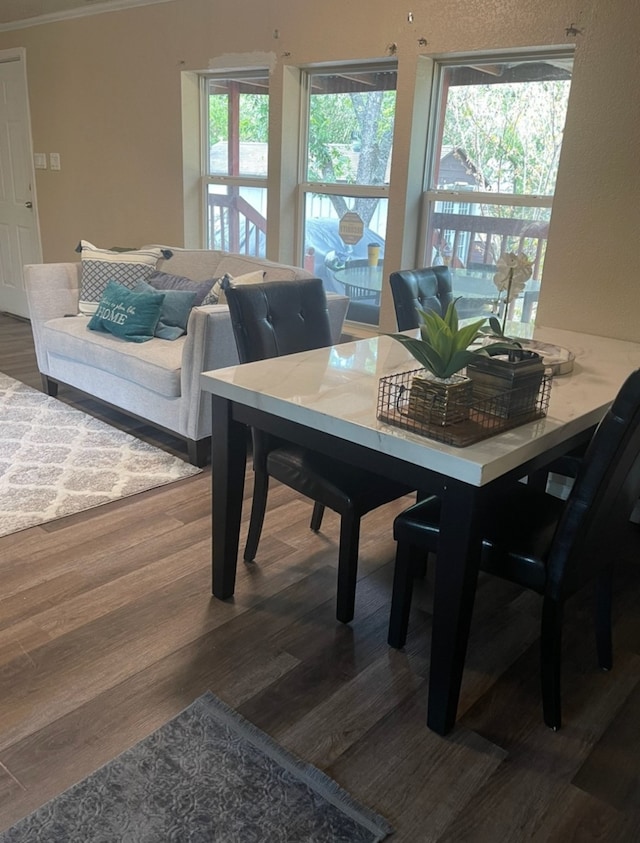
[349,137]
[236,144]
[493,173]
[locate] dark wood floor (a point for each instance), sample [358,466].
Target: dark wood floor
[108,629]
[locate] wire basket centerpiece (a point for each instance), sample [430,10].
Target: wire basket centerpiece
[463,394]
[467,416]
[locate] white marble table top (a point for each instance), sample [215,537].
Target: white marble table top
[335,390]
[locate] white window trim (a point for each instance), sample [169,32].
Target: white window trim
[431,195]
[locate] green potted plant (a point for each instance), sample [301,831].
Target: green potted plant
[440,394]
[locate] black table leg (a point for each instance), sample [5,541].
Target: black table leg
[455,587]
[228,465]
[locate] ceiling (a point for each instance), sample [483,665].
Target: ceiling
[17,13]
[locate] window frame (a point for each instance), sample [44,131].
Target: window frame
[431,195]
[207,178]
[347,189]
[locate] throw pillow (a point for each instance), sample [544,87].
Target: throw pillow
[174,313]
[164,281]
[127,314]
[213,296]
[217,296]
[99,266]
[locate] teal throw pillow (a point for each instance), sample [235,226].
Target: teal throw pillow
[174,313]
[126,313]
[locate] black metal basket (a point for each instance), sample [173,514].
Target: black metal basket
[475,415]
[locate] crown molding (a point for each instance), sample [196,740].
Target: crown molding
[92,8]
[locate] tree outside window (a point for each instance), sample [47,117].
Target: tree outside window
[349,143]
[494,170]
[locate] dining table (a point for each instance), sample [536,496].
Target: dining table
[327,400]
[361,282]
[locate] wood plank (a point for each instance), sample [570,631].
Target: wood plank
[621,740]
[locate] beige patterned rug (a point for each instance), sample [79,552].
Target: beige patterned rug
[56,460]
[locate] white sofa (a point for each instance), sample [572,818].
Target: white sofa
[158,380]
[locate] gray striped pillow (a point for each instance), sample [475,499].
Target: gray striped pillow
[99,266]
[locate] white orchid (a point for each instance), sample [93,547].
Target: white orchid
[514,270]
[513,273]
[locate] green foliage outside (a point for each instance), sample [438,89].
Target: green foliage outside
[254,118]
[511,132]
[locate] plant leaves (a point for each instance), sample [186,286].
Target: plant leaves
[441,339]
[424,353]
[496,327]
[467,334]
[451,316]
[458,361]
[444,346]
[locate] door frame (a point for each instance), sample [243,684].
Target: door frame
[20,54]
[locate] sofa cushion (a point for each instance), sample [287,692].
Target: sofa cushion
[156,364]
[196,264]
[128,314]
[235,265]
[165,281]
[99,266]
[201,264]
[174,313]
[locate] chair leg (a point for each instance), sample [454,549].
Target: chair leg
[258,509]
[347,566]
[408,559]
[604,647]
[550,658]
[316,517]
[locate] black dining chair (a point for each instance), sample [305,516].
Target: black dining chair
[274,319]
[420,289]
[551,546]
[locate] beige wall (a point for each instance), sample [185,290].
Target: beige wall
[106,94]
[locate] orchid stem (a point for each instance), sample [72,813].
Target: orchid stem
[507,300]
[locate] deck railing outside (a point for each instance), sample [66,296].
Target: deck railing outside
[469,244]
[234,225]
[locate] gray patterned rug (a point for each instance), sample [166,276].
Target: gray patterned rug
[208,776]
[56,460]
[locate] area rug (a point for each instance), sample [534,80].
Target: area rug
[207,775]
[56,460]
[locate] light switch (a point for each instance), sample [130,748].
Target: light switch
[40,160]
[54,160]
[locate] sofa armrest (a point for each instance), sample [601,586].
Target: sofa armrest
[53,290]
[337,304]
[210,344]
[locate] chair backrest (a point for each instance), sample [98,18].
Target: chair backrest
[420,289]
[281,317]
[595,525]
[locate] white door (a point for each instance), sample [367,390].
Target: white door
[19,231]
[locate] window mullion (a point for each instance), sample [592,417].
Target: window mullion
[516,199]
